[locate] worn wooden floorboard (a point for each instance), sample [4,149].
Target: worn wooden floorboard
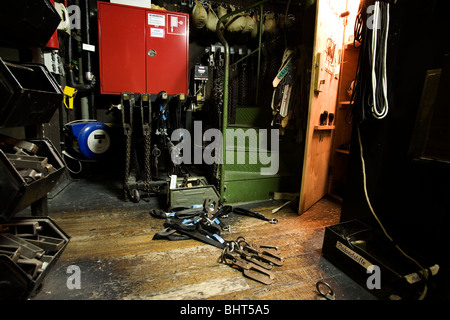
[119,260]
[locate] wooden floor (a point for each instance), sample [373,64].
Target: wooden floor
[118,259]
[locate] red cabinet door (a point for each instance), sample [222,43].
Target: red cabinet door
[122,48]
[142,50]
[167,55]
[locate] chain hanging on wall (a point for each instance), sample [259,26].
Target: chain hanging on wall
[243,80]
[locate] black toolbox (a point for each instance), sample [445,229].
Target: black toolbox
[353,246]
[29,246]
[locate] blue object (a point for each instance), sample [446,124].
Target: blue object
[92,139]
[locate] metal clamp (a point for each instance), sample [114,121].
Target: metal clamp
[232,257]
[211,206]
[270,256]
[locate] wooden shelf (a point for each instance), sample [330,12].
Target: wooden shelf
[320,128]
[349,45]
[345,104]
[343,151]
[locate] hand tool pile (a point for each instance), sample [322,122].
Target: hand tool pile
[205,224]
[255,261]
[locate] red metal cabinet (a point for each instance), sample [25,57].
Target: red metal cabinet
[142,50]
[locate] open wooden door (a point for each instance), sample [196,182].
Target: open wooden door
[328,38]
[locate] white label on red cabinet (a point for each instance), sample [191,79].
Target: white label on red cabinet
[156,33]
[176,24]
[156,20]
[88,47]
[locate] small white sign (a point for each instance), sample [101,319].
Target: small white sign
[353,255]
[176,24]
[88,47]
[156,33]
[158,20]
[173,182]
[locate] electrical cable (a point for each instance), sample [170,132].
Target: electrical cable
[64,153]
[424,273]
[380,105]
[370,89]
[370,92]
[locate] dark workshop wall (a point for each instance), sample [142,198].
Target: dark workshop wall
[410,197]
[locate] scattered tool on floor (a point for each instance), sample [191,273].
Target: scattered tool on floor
[253,214]
[249,269]
[254,264]
[325,290]
[290,197]
[202,224]
[265,253]
[206,224]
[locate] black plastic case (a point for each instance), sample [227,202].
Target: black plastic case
[29,246]
[29,94]
[353,246]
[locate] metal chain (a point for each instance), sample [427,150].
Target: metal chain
[218,94]
[128,130]
[148,174]
[127,163]
[135,161]
[233,94]
[243,83]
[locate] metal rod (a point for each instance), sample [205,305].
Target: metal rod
[261,8]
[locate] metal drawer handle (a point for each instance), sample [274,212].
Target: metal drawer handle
[152,52]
